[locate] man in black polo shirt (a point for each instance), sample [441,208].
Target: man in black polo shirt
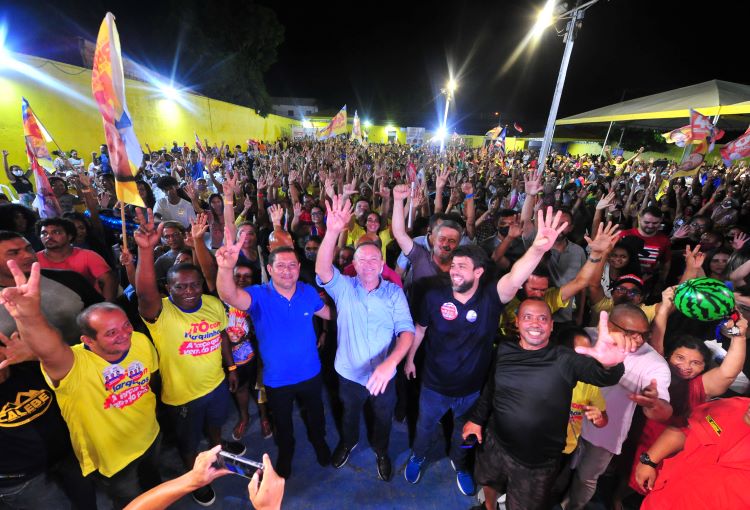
[460,321]
[521,417]
[36,453]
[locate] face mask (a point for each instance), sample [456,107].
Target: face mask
[503,231]
[310,255]
[18,173]
[727,205]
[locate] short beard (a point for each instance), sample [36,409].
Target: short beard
[463,287]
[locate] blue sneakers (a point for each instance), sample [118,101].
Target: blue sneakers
[464,481]
[413,471]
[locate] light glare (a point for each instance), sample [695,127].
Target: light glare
[544,18]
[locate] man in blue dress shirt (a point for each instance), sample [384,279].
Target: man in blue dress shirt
[371,312]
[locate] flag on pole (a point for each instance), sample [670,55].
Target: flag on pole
[736,149]
[199,145]
[108,88]
[700,128]
[517,127]
[356,127]
[690,164]
[35,137]
[494,132]
[335,127]
[500,143]
[44,201]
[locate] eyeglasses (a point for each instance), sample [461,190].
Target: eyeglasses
[645,335]
[630,292]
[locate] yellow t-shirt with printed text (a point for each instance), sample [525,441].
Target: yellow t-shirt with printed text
[189,347]
[583,395]
[109,407]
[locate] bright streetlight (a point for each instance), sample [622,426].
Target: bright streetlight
[367,124]
[449,89]
[546,18]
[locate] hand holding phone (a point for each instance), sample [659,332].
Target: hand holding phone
[238,465]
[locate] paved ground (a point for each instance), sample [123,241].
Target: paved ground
[354,486]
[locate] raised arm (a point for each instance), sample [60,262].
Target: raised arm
[717,380]
[226,259]
[469,208]
[548,228]
[23,303]
[198,228]
[339,213]
[147,237]
[591,272]
[532,186]
[398,222]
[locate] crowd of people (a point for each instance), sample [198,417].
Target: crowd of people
[527,308]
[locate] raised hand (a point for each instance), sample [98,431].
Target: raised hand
[199,226]
[694,258]
[607,350]
[682,232]
[532,184]
[15,350]
[339,213]
[276,213]
[297,209]
[739,241]
[548,229]
[350,188]
[227,255]
[23,300]
[441,178]
[147,235]
[401,191]
[606,201]
[605,240]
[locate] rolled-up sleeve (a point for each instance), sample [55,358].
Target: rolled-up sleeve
[402,320]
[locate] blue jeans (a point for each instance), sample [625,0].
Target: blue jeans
[38,492]
[432,407]
[353,397]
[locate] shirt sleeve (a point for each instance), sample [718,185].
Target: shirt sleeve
[336,287]
[402,320]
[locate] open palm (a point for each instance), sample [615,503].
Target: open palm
[606,351]
[548,229]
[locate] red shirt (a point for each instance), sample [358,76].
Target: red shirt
[87,263]
[657,250]
[713,469]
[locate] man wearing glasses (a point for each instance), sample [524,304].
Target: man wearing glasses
[282,312]
[645,383]
[628,288]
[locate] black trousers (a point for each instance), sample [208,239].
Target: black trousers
[281,403]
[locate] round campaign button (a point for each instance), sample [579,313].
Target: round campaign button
[471,316]
[448,311]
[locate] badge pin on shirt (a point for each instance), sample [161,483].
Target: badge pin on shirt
[471,316]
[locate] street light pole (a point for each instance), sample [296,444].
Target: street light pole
[576,14]
[445,119]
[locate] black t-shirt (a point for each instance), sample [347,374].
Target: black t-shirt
[527,398]
[33,434]
[458,341]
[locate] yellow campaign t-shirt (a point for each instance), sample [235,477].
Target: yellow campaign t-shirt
[109,407]
[552,297]
[583,395]
[189,346]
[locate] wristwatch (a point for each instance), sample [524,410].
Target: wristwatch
[645,459]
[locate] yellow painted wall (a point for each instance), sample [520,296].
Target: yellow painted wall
[64,104]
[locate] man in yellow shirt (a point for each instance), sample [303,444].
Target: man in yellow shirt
[188,329]
[538,284]
[103,387]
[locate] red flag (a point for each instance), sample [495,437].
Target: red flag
[736,149]
[411,172]
[517,127]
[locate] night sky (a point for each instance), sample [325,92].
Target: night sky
[389,60]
